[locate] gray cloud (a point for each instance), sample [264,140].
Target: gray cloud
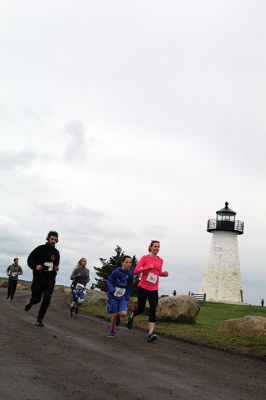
[82,232]
[81,222]
[155,232]
[76,149]
[11,159]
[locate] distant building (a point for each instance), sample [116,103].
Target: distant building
[221,278]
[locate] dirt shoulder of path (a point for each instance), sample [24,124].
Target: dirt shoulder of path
[177,336]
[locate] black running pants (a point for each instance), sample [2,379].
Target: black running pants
[152,297]
[12,285]
[42,289]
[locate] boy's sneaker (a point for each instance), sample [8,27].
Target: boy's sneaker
[117,320]
[111,334]
[39,322]
[152,337]
[130,321]
[28,306]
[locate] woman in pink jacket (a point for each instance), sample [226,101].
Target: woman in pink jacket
[150,268]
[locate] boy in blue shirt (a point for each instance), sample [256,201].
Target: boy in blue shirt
[119,290]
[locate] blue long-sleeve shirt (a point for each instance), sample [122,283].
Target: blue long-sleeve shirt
[119,278]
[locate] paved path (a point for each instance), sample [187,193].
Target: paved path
[73,359]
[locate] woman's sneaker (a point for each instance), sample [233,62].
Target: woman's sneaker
[111,334]
[152,337]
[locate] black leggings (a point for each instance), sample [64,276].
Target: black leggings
[12,285]
[143,296]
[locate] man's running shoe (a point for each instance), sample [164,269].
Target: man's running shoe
[152,337]
[130,321]
[111,334]
[39,322]
[117,320]
[28,306]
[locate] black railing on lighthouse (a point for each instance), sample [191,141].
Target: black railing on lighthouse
[233,226]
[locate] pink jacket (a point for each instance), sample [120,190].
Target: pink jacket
[150,268]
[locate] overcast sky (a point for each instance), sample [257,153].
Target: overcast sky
[126,121]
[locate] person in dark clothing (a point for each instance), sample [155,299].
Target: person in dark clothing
[13,271]
[44,262]
[80,277]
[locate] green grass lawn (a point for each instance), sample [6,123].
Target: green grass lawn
[206,330]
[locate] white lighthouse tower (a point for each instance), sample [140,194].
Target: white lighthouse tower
[221,278]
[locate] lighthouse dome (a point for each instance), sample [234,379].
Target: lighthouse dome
[226,210]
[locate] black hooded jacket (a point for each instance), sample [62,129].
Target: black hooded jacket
[44,255]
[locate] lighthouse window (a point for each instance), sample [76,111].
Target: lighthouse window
[226,218]
[219,217]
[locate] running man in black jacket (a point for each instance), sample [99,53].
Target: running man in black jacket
[44,262]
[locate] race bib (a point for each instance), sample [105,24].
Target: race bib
[152,278]
[119,292]
[14,274]
[49,265]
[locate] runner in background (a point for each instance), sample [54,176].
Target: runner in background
[150,266]
[119,283]
[80,277]
[13,271]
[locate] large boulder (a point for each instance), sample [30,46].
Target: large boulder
[62,289]
[96,297]
[182,309]
[21,286]
[132,303]
[59,289]
[4,283]
[249,325]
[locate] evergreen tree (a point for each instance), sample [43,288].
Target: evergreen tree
[107,268]
[134,287]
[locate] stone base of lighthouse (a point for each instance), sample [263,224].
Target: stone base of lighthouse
[221,279]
